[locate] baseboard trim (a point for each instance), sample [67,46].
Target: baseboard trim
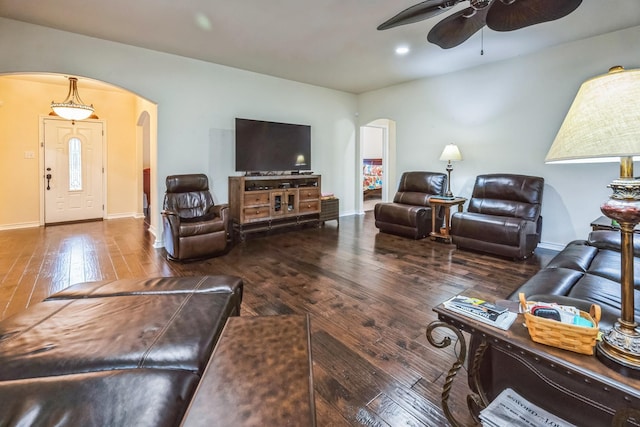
[551,246]
[19,225]
[123,215]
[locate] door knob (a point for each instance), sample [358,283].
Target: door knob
[48,176]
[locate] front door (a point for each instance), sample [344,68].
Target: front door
[73,170]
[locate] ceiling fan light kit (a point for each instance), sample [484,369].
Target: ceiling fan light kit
[498,15]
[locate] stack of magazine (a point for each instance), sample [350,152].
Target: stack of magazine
[510,409]
[481,310]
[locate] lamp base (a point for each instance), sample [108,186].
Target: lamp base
[620,346]
[448,193]
[620,350]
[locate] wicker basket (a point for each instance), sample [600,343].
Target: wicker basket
[580,339]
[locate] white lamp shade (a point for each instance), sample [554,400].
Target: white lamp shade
[451,153]
[72,111]
[603,123]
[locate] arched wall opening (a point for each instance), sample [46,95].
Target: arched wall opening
[377,160]
[25,100]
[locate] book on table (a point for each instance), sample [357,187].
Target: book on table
[481,310]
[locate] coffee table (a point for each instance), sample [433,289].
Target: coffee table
[580,389]
[259,374]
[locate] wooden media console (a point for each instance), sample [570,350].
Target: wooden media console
[262,203]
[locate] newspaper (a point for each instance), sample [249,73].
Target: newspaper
[510,409]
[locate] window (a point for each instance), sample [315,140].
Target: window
[75,164]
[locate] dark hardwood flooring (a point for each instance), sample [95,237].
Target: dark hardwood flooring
[369,296]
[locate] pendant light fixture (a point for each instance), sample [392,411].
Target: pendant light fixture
[72,108]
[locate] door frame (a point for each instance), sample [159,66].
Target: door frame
[388,161]
[41,153]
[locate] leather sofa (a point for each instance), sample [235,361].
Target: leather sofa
[503,216]
[583,273]
[586,272]
[410,213]
[113,353]
[194,227]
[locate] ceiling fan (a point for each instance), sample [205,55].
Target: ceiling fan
[499,15]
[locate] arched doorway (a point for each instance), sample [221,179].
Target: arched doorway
[25,101]
[377,163]
[144,124]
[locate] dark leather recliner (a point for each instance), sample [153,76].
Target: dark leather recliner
[410,213]
[193,226]
[503,217]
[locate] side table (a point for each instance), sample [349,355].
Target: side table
[446,203]
[329,209]
[604,223]
[576,387]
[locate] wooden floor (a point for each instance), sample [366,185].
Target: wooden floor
[369,296]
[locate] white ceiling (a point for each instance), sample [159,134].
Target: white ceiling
[329,43]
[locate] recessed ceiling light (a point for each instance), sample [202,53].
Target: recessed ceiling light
[402,50]
[203,21]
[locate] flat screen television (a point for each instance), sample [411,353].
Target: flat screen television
[263,146]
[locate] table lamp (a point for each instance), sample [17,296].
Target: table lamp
[449,154]
[299,163]
[603,124]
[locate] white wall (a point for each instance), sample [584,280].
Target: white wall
[504,117]
[371,139]
[197,103]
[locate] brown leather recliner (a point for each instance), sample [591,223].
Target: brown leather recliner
[410,213]
[503,217]
[193,226]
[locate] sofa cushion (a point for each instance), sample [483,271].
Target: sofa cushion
[188,195]
[606,239]
[577,255]
[175,331]
[602,291]
[607,264]
[519,196]
[138,397]
[411,198]
[196,228]
[504,230]
[401,214]
[423,184]
[553,281]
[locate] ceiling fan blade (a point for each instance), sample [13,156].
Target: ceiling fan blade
[523,13]
[419,12]
[455,29]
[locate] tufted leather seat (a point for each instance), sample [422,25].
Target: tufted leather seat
[193,226]
[124,352]
[503,216]
[410,213]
